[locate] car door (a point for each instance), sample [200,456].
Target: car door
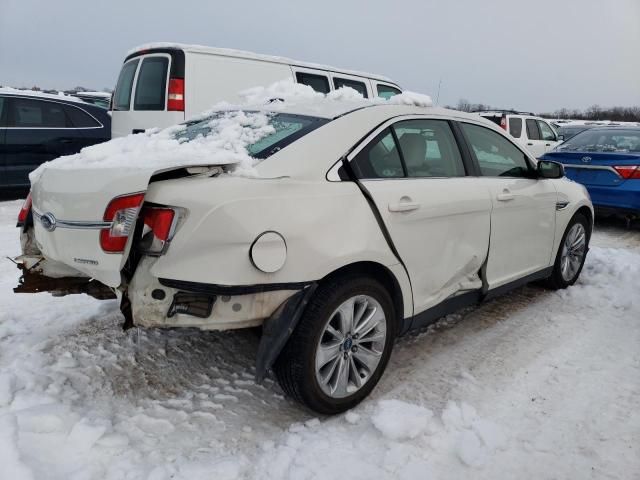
[547,135]
[437,217]
[37,131]
[523,207]
[534,143]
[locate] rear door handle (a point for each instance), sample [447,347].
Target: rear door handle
[404,205]
[505,196]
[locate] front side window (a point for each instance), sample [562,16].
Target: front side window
[429,148]
[151,86]
[379,159]
[496,156]
[28,113]
[359,87]
[546,132]
[122,94]
[515,127]
[532,129]
[287,128]
[2,112]
[387,91]
[319,83]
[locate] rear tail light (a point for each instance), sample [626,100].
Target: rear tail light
[158,223]
[628,172]
[122,213]
[24,211]
[175,100]
[503,122]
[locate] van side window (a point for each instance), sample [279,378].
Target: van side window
[532,129]
[387,91]
[319,83]
[29,113]
[515,127]
[359,87]
[79,119]
[379,159]
[151,85]
[122,95]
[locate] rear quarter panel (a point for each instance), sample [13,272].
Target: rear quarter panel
[325,226]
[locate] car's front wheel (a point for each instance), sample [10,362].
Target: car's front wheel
[572,253]
[340,348]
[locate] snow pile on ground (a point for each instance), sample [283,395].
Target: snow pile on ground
[537,384]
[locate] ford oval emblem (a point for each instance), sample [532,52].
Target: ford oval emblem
[48,222]
[586,159]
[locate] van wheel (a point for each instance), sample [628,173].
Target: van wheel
[572,253]
[340,348]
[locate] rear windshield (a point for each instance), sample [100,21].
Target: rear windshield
[122,95]
[287,128]
[613,140]
[152,84]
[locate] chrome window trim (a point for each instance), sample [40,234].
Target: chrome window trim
[38,99]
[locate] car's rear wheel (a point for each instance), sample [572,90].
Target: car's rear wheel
[572,253]
[341,346]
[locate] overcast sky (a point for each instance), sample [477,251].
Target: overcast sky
[535,55]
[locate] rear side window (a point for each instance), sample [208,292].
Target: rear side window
[546,132]
[122,95]
[79,118]
[532,129]
[151,86]
[379,159]
[496,156]
[387,91]
[515,127]
[319,83]
[359,87]
[28,113]
[429,148]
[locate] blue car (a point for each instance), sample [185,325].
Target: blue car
[37,127]
[606,160]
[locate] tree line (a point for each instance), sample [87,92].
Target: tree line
[594,112]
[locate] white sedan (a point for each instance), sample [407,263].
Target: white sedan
[336,226]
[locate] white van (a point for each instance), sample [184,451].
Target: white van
[165,84]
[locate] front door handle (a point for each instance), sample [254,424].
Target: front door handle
[505,196]
[404,205]
[530,144]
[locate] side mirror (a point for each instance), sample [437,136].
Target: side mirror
[549,169]
[561,138]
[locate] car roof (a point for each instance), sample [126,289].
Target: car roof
[230,52]
[35,94]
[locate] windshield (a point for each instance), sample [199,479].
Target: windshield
[285,129]
[613,140]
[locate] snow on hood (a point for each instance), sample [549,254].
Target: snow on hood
[231,132]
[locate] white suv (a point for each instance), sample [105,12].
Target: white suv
[533,133]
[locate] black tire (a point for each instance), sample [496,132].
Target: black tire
[556,281]
[295,367]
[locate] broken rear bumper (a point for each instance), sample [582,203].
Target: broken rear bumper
[42,275]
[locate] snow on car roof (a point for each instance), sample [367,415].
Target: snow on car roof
[33,93]
[230,52]
[230,133]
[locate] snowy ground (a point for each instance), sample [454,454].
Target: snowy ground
[536,384]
